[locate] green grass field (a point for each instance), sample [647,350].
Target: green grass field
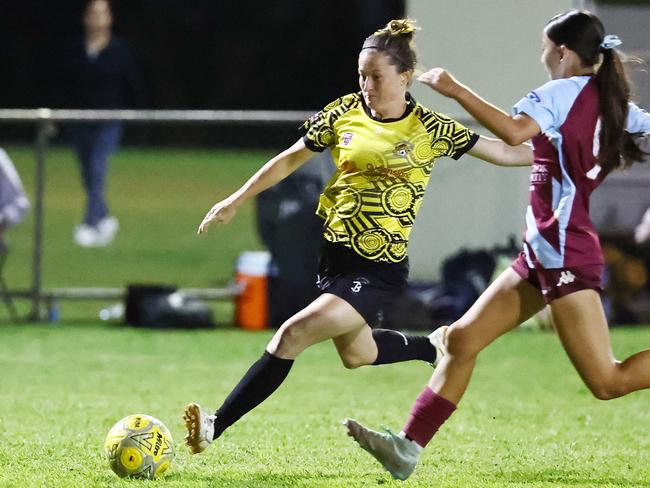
[527,420]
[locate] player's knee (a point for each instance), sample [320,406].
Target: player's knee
[353,362]
[290,334]
[293,335]
[460,343]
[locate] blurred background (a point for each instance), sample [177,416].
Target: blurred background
[290,55]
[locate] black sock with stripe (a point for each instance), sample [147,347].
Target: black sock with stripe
[395,347]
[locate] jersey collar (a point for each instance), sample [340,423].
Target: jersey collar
[410,105]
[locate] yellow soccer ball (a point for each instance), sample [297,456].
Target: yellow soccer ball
[139,446]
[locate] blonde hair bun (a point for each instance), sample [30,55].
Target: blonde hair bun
[398,27]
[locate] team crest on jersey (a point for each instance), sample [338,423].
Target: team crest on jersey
[403,148]
[534,97]
[347,138]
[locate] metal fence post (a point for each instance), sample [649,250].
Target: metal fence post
[42,133]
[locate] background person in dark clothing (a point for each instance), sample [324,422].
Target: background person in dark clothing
[99,72]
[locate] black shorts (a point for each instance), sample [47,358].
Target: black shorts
[369,286]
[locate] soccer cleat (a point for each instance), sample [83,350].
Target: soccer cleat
[437,338]
[397,454]
[200,428]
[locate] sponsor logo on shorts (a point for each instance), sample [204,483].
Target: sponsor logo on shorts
[566,277]
[322,282]
[358,284]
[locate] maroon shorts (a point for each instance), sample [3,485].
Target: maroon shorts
[558,282]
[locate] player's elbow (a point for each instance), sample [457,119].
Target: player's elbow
[605,393]
[610,386]
[514,138]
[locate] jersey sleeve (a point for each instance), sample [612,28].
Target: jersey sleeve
[549,104]
[538,105]
[638,120]
[318,131]
[448,137]
[463,139]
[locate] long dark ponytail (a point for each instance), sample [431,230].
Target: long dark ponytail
[583,33]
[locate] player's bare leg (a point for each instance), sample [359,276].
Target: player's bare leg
[505,304]
[582,327]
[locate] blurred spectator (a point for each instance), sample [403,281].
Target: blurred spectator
[13,205]
[642,231]
[13,201]
[98,72]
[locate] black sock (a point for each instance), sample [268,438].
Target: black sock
[395,347]
[259,382]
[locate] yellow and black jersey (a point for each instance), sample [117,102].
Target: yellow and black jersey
[383,168]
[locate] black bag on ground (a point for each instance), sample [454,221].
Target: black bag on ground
[163,307]
[425,306]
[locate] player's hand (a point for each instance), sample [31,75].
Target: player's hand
[220,212]
[441,81]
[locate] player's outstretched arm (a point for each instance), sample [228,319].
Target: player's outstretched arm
[274,171]
[497,152]
[512,130]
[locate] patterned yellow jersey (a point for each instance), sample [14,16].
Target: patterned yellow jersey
[383,168]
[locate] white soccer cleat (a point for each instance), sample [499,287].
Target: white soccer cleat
[438,339]
[397,454]
[200,428]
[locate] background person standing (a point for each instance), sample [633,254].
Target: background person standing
[99,72]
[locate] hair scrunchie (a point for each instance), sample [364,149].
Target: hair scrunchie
[610,42]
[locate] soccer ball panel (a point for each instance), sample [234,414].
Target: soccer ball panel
[138,422]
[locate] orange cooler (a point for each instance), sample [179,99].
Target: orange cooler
[251,305]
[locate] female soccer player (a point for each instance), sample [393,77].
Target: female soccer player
[385,145]
[581,125]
